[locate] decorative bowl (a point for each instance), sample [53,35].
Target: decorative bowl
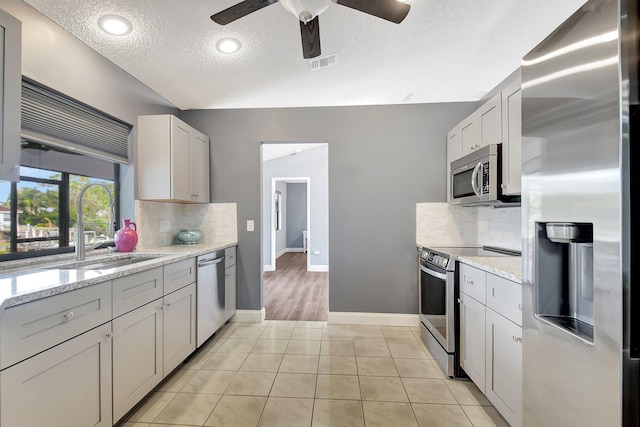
[189,237]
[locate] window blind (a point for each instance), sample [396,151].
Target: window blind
[53,119]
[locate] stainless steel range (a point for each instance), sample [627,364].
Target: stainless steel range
[438,292]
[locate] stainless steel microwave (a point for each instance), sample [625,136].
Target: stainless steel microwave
[476,178]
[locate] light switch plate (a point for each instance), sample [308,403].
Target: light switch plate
[250,225]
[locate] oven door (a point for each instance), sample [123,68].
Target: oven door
[436,305]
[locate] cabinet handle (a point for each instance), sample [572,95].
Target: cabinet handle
[459,301]
[520,307]
[68,316]
[110,335]
[503,186]
[517,339]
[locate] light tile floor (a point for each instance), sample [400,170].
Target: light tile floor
[287,373]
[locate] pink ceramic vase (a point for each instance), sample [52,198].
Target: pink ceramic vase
[127,237]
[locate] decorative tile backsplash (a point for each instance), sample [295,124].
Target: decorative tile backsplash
[217,221]
[442,224]
[500,227]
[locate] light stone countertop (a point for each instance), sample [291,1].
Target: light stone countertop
[509,267]
[36,278]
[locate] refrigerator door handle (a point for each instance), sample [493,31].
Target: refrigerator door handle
[474,179]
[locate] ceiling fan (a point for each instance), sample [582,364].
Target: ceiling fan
[307,12]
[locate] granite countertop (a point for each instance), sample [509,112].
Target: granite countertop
[509,267]
[36,278]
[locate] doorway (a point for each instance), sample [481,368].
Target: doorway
[295,231]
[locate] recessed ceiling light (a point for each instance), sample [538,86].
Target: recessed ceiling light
[228,45]
[115,25]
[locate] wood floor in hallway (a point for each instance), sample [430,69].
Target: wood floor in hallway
[293,293]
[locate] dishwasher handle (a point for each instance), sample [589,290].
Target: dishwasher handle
[209,262]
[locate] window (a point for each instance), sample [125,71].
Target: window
[39,213]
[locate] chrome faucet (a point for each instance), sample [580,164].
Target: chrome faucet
[80,225]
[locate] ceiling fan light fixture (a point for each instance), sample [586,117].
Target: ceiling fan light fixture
[305,10]
[228,45]
[115,25]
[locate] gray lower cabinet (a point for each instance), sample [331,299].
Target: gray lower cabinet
[179,327]
[68,385]
[153,339]
[230,283]
[86,357]
[137,356]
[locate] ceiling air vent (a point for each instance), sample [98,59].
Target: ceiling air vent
[323,62]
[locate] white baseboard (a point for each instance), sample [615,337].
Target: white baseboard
[286,250]
[268,267]
[254,316]
[384,319]
[318,268]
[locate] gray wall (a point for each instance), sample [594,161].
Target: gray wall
[382,161]
[312,163]
[55,58]
[296,214]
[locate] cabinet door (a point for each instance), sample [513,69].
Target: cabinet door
[180,173]
[199,169]
[472,340]
[489,118]
[68,385]
[470,134]
[137,356]
[504,366]
[512,138]
[229,292]
[454,144]
[179,327]
[10,90]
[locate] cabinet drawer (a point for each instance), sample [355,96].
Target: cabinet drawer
[473,282]
[30,328]
[505,298]
[179,274]
[230,256]
[133,291]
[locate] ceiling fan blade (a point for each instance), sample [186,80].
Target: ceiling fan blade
[310,33]
[391,10]
[239,10]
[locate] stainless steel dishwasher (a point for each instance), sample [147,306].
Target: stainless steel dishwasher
[210,302]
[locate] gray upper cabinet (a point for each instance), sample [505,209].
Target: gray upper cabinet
[512,138]
[11,76]
[173,161]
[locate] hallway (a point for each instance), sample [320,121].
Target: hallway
[293,293]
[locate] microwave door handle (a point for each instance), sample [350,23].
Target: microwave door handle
[474,179]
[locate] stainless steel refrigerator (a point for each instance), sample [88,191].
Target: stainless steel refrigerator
[581,340]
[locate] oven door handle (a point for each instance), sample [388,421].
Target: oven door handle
[433,273]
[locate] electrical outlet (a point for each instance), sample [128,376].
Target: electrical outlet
[250,225]
[165,225]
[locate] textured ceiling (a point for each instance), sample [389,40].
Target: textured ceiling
[444,51]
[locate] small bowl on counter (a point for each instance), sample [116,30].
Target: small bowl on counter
[189,237]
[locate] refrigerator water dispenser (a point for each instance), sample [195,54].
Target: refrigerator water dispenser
[564,276]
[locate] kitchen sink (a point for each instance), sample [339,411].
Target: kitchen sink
[102,263]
